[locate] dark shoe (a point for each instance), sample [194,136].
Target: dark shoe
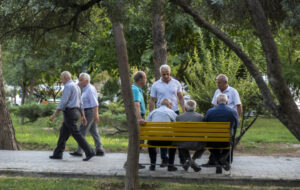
[75,154]
[218,169]
[172,168]
[226,166]
[210,164]
[152,168]
[87,158]
[55,157]
[195,167]
[141,166]
[164,163]
[100,152]
[186,166]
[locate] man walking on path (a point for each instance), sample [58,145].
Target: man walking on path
[167,87]
[71,105]
[89,99]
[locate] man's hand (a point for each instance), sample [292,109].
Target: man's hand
[52,117]
[141,122]
[96,118]
[83,120]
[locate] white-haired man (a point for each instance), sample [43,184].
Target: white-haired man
[89,99]
[232,94]
[71,105]
[190,116]
[163,113]
[167,87]
[221,113]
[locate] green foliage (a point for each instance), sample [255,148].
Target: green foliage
[33,111]
[206,65]
[114,116]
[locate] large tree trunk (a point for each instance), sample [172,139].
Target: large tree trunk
[7,134]
[287,111]
[131,181]
[160,53]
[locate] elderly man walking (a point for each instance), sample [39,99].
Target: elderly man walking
[163,113]
[190,116]
[71,105]
[167,87]
[89,99]
[222,113]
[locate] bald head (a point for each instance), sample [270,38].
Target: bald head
[166,102]
[190,105]
[140,78]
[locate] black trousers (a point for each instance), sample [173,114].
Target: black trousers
[219,154]
[153,152]
[69,127]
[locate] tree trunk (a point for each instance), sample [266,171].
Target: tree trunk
[160,53]
[286,112]
[131,181]
[7,134]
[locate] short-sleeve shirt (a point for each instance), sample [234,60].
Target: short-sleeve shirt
[232,95]
[89,97]
[161,90]
[138,97]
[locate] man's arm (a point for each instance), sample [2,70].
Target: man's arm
[54,115]
[152,101]
[181,100]
[138,113]
[239,110]
[96,115]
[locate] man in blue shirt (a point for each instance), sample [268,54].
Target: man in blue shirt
[71,105]
[89,99]
[221,113]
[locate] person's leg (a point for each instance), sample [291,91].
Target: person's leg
[97,139]
[181,157]
[152,155]
[187,157]
[172,152]
[64,135]
[73,116]
[164,157]
[83,129]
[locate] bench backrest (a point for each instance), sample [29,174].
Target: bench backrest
[186,131]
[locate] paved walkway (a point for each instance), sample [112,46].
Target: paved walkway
[245,168]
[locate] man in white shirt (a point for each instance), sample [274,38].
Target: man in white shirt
[167,87]
[232,94]
[163,113]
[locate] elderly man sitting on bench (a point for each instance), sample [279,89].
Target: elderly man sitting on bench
[163,113]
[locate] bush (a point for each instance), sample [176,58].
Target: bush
[33,111]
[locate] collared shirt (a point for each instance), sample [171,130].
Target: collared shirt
[89,96]
[163,113]
[138,97]
[232,95]
[161,90]
[71,97]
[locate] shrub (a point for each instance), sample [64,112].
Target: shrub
[33,111]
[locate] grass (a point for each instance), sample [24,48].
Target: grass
[27,183]
[269,130]
[38,136]
[265,134]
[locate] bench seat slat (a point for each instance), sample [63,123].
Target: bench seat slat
[185,139]
[184,134]
[188,124]
[151,146]
[177,129]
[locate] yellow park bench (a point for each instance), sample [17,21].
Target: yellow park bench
[186,132]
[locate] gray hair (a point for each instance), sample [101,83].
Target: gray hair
[66,75]
[222,99]
[165,66]
[138,75]
[165,101]
[190,105]
[223,77]
[85,76]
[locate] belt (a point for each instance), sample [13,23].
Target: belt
[71,108]
[86,109]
